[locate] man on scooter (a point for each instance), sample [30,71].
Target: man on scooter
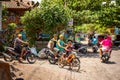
[106,45]
[52,45]
[18,46]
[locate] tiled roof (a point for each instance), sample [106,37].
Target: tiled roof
[21,5]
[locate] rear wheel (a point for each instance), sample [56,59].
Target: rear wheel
[76,64]
[52,60]
[8,58]
[105,57]
[84,51]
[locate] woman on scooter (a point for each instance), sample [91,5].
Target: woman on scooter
[106,45]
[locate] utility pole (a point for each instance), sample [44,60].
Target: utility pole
[0,16]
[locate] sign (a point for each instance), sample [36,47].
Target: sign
[4,0]
[70,23]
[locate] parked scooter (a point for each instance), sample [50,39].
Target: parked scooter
[82,49]
[10,55]
[94,48]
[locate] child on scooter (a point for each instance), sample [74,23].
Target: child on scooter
[68,49]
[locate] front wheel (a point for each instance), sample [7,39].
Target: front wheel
[60,63]
[31,58]
[76,64]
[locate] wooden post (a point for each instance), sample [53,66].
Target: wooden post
[0,16]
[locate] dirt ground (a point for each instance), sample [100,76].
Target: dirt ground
[91,69]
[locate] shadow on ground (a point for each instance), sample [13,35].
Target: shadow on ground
[89,54]
[110,62]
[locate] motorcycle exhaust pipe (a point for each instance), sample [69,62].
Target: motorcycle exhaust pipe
[6,55]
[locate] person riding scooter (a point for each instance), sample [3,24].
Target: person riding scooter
[18,46]
[106,45]
[52,45]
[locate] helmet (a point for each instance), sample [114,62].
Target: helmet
[19,35]
[61,36]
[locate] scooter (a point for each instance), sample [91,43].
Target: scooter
[72,60]
[105,57]
[94,48]
[81,48]
[51,57]
[10,55]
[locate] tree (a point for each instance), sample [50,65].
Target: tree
[4,13]
[95,12]
[50,16]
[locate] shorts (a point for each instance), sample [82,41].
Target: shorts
[106,48]
[56,49]
[67,53]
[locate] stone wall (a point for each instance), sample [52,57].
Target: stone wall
[41,44]
[5,71]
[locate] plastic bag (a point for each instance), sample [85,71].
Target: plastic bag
[33,50]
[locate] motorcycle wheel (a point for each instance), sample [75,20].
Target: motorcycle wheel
[76,64]
[60,63]
[94,50]
[8,58]
[105,57]
[31,58]
[52,60]
[83,51]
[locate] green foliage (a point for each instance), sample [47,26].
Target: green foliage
[87,28]
[110,16]
[4,13]
[12,26]
[48,18]
[80,5]
[94,12]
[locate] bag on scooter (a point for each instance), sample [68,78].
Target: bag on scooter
[33,50]
[42,54]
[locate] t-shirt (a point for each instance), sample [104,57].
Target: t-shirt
[53,41]
[107,43]
[61,43]
[17,43]
[69,48]
[94,41]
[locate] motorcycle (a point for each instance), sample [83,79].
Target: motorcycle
[82,49]
[94,48]
[72,60]
[89,42]
[10,55]
[105,57]
[51,57]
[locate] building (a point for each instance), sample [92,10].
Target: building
[16,9]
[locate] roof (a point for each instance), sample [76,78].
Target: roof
[13,4]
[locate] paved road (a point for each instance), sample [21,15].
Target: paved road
[91,69]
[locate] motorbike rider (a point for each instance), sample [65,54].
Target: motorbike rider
[68,49]
[106,44]
[60,43]
[52,45]
[66,56]
[18,46]
[94,41]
